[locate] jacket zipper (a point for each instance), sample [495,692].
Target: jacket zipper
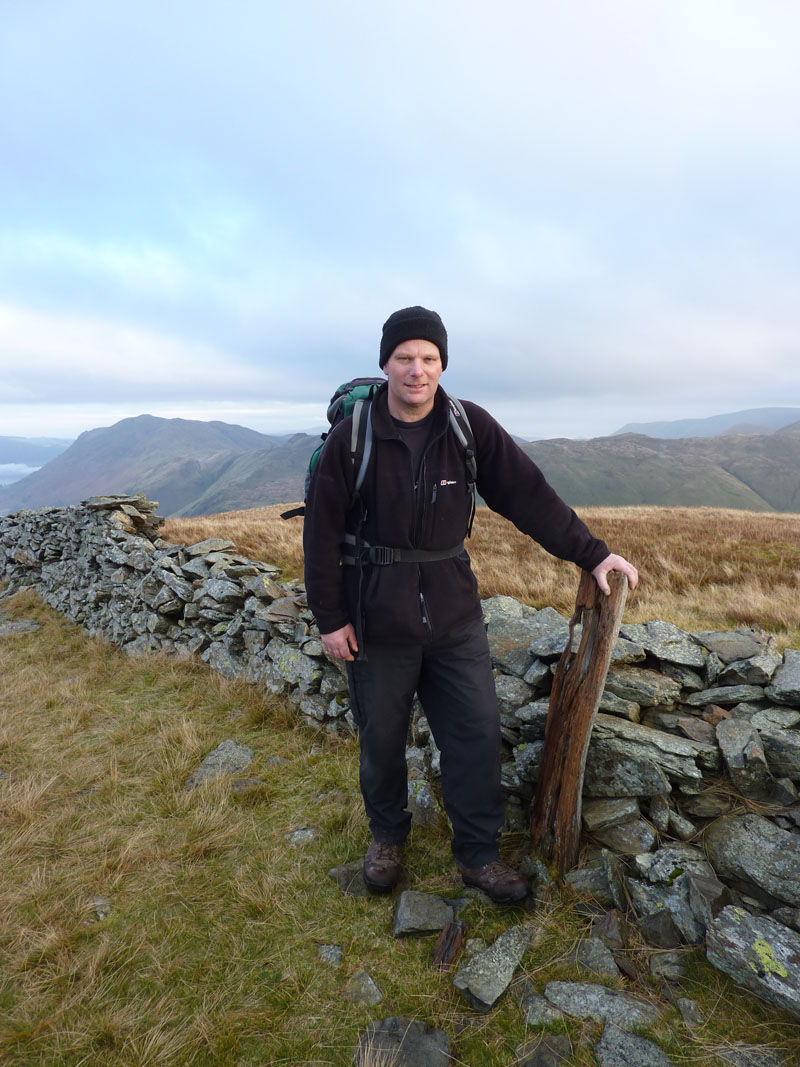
[422,510]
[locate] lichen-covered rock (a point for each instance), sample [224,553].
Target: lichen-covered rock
[645,687]
[484,977]
[527,760]
[759,953]
[290,664]
[666,642]
[586,1001]
[664,886]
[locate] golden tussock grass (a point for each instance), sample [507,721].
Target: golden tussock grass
[701,568]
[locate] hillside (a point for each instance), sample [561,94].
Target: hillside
[174,461]
[197,468]
[756,472]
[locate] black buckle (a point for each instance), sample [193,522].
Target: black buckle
[380,554]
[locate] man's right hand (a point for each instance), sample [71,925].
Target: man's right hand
[341,644]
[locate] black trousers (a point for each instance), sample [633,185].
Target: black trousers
[453,677]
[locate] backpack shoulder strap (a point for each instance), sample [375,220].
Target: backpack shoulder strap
[361,441]
[460,425]
[459,421]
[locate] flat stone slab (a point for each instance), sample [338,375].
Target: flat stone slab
[616,1048]
[484,977]
[731,645]
[545,1050]
[211,544]
[630,837]
[228,757]
[19,626]
[645,687]
[403,1043]
[754,850]
[539,1011]
[627,758]
[725,695]
[350,879]
[758,953]
[417,914]
[586,1001]
[666,642]
[608,811]
[361,989]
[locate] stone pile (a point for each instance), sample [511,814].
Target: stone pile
[696,731]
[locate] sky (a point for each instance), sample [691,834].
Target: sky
[207,211]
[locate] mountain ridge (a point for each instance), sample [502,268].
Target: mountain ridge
[758,419]
[198,468]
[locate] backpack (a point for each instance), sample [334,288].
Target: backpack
[355,398]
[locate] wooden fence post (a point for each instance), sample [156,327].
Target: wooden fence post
[577,688]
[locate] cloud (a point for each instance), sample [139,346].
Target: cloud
[50,358]
[599,199]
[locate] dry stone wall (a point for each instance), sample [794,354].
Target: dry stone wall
[691,787]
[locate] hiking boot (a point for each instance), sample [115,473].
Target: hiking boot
[498,881]
[382,866]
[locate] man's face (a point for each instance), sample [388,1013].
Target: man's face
[413,370]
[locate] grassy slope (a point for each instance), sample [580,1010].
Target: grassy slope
[209,953]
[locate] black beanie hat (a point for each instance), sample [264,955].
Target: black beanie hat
[413,324]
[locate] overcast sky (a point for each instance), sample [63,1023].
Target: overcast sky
[208,210]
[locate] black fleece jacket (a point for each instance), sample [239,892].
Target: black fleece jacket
[412,602]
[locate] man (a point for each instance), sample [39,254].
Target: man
[399,603]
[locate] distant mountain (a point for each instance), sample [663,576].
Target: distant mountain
[174,461]
[200,468]
[759,473]
[754,420]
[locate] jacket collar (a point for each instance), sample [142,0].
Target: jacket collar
[383,425]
